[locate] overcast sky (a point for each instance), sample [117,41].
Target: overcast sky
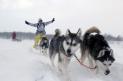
[107,15]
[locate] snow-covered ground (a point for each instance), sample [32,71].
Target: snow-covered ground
[19,62]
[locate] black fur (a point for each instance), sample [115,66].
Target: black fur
[106,56]
[98,48]
[55,44]
[44,43]
[73,36]
[94,44]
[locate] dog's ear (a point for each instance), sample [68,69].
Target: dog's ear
[68,32]
[79,32]
[111,53]
[101,53]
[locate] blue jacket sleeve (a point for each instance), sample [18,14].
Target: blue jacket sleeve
[46,23]
[31,24]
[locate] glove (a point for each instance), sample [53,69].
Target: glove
[53,19]
[26,22]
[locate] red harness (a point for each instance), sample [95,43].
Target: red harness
[84,64]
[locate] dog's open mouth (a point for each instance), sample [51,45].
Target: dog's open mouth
[69,54]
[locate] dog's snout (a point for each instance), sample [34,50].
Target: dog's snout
[69,51]
[107,72]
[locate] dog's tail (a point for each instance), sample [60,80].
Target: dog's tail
[91,30]
[57,33]
[85,39]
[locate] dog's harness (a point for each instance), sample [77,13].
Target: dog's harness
[78,59]
[84,64]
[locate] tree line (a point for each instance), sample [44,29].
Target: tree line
[30,36]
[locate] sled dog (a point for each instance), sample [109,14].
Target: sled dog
[65,46]
[97,50]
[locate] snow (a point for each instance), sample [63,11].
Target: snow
[20,62]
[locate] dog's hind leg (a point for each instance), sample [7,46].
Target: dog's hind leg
[83,55]
[97,67]
[45,51]
[52,55]
[52,60]
[40,50]
[60,63]
[90,59]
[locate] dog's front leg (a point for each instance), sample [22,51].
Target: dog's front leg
[65,69]
[97,70]
[52,58]
[60,67]
[65,72]
[97,67]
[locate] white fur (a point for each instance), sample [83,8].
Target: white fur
[63,64]
[101,53]
[72,48]
[101,67]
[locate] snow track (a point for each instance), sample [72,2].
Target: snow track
[19,62]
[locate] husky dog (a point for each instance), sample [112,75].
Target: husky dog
[65,46]
[97,50]
[44,44]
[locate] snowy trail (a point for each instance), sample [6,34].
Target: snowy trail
[19,62]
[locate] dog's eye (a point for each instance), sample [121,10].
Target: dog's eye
[104,64]
[67,43]
[74,44]
[109,64]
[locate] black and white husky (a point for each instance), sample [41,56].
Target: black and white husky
[65,46]
[97,50]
